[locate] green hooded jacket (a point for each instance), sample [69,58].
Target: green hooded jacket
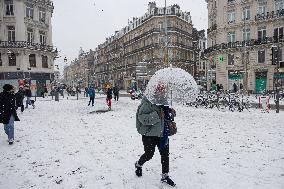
[148,121]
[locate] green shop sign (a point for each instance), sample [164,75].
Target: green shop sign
[278,75]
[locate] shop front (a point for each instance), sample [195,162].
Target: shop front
[260,82]
[235,77]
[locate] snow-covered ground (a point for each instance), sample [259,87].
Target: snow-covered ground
[63,145]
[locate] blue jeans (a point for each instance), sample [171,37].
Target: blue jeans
[9,128]
[28,102]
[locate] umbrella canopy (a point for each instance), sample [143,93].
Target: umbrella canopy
[171,85]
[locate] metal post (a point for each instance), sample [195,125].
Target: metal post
[166,36]
[77,94]
[277,90]
[246,59]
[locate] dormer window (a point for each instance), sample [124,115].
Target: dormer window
[9,7]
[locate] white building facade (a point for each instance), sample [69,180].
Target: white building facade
[26,51]
[240,37]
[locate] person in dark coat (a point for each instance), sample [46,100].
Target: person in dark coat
[235,87]
[28,94]
[152,121]
[116,93]
[8,113]
[221,87]
[20,95]
[109,97]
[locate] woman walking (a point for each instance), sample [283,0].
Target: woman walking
[8,113]
[151,123]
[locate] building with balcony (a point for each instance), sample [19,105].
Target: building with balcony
[241,35]
[144,40]
[26,51]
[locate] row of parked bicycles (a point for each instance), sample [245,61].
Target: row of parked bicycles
[222,101]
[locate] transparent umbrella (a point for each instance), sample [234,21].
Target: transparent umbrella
[171,85]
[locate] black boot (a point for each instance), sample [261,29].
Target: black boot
[138,170]
[166,179]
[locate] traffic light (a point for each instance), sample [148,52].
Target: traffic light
[275,55]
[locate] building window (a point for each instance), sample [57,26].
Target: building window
[262,8]
[231,59]
[231,37]
[42,37]
[44,61]
[29,11]
[11,33]
[279,5]
[246,13]
[42,15]
[9,7]
[261,56]
[246,34]
[32,60]
[30,34]
[203,65]
[261,33]
[12,60]
[278,33]
[231,17]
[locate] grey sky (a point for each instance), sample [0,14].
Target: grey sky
[86,23]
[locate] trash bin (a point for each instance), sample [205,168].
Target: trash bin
[56,96]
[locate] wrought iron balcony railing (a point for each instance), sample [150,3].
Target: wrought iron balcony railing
[249,43]
[270,15]
[25,44]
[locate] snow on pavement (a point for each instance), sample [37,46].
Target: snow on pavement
[63,145]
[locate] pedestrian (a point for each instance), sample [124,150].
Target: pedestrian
[235,87]
[221,87]
[109,97]
[86,91]
[8,113]
[218,87]
[45,91]
[151,123]
[28,94]
[20,95]
[116,93]
[91,92]
[241,87]
[42,92]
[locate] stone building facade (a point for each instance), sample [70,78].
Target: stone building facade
[240,37]
[81,70]
[26,51]
[143,40]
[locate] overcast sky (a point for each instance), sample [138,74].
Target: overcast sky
[87,23]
